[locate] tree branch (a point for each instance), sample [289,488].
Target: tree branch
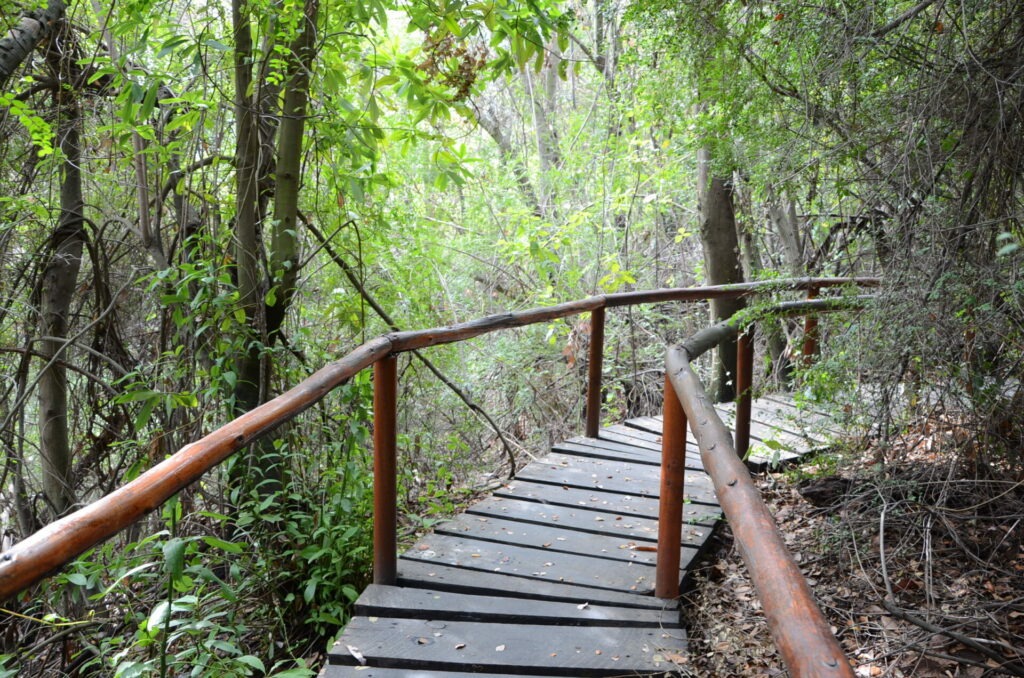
[1003,663]
[379,310]
[902,18]
[19,42]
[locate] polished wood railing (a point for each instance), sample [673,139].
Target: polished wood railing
[45,551]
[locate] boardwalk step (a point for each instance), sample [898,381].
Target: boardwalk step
[534,563]
[510,648]
[620,478]
[502,585]
[336,671]
[395,602]
[552,538]
[640,506]
[580,518]
[552,575]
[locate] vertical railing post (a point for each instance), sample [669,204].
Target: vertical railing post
[670,503]
[593,423]
[385,500]
[744,381]
[810,331]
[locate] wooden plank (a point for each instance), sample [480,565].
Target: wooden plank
[766,417]
[500,585]
[591,447]
[803,417]
[396,602]
[336,671]
[649,424]
[697,511]
[609,449]
[534,563]
[786,400]
[652,440]
[553,538]
[612,479]
[612,476]
[793,445]
[631,436]
[509,648]
[581,518]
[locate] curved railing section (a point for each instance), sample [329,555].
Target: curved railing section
[50,548]
[801,632]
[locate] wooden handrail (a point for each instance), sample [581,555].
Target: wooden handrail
[43,552]
[803,636]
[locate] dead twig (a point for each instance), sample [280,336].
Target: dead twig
[1004,665]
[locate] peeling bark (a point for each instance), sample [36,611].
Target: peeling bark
[31,29]
[721,262]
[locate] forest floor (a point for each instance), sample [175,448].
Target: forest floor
[918,565]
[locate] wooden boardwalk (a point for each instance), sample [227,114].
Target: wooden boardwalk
[553,574]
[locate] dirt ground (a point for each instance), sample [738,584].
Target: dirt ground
[918,565]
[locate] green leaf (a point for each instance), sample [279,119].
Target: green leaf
[310,590]
[228,546]
[158,617]
[149,102]
[252,661]
[78,579]
[174,556]
[146,412]
[217,45]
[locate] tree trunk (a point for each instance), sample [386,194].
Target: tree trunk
[252,368]
[284,262]
[542,92]
[30,30]
[721,262]
[247,244]
[489,121]
[59,278]
[782,214]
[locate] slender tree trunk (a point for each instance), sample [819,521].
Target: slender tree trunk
[490,123]
[247,245]
[782,214]
[31,29]
[773,331]
[542,91]
[252,366]
[284,262]
[59,277]
[721,261]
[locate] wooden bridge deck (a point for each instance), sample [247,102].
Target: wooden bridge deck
[553,574]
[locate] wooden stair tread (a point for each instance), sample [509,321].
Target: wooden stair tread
[556,568]
[396,602]
[512,648]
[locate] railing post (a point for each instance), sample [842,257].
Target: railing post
[593,424]
[810,331]
[385,500]
[670,503]
[744,381]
